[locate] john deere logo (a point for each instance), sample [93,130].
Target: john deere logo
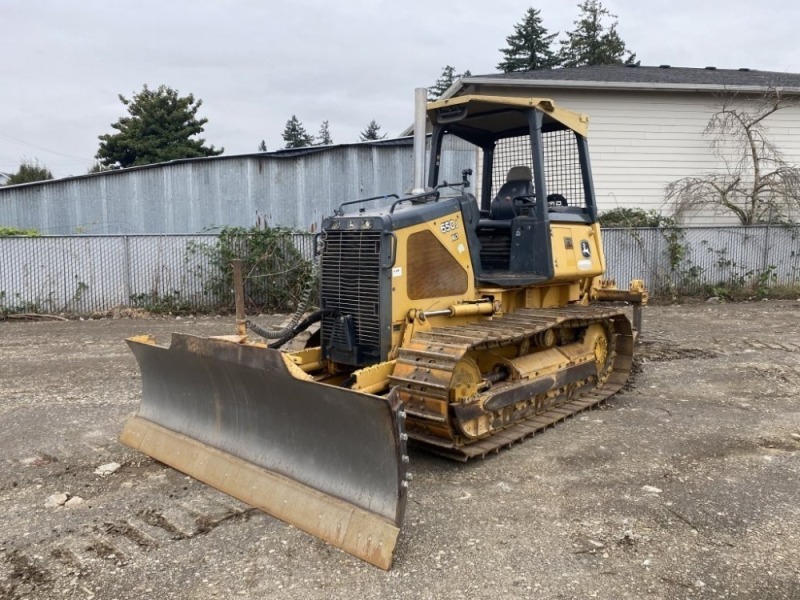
[585,249]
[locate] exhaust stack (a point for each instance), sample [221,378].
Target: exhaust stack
[420,122]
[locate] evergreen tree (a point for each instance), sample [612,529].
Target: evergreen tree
[98,167]
[324,136]
[529,47]
[591,43]
[28,172]
[295,135]
[161,126]
[444,82]
[372,132]
[262,147]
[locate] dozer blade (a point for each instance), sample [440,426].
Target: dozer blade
[240,418]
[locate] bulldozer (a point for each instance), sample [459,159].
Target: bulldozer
[461,323]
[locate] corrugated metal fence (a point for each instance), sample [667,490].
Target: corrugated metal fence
[293,188]
[82,274]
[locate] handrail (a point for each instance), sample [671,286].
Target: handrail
[340,212]
[434,193]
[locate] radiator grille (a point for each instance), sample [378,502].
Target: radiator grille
[351,266]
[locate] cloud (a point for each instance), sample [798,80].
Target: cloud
[254,64]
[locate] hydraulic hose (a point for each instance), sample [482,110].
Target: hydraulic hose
[288,332]
[314,317]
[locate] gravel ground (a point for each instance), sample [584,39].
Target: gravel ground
[685,485]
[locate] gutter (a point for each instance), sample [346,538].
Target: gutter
[612,85]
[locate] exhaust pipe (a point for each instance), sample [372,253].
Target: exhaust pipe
[420,122]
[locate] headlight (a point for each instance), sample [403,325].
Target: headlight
[351,224]
[336,224]
[367,224]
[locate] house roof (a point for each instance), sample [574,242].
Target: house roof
[662,77]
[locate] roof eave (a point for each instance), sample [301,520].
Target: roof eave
[614,86]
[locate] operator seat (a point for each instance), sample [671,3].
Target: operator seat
[518,183]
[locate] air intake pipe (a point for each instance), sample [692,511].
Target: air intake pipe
[420,124]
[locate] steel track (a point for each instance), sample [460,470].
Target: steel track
[425,368]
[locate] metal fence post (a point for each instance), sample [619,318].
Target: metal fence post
[656,241]
[126,270]
[65,244]
[766,243]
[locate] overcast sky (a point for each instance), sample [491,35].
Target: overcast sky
[254,64]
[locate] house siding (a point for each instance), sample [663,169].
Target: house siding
[641,141]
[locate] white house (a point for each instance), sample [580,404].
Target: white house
[646,123]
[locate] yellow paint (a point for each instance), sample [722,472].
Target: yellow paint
[374,378]
[480,103]
[309,359]
[402,303]
[570,263]
[296,371]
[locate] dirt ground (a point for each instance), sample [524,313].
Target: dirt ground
[685,485]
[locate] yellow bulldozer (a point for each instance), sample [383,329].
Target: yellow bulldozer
[458,324]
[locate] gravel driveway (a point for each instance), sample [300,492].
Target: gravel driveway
[685,485]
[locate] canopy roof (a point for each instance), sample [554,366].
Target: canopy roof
[477,117]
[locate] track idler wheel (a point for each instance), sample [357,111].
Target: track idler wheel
[595,340]
[467,379]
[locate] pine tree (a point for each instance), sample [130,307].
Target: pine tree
[591,43]
[30,171]
[161,126]
[372,132]
[324,136]
[99,167]
[295,135]
[262,147]
[444,82]
[529,47]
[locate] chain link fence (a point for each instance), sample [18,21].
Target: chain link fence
[705,260]
[176,273]
[159,273]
